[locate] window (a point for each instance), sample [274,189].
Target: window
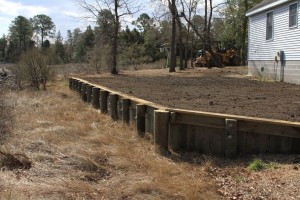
[293,15]
[269,34]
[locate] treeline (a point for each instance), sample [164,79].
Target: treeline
[178,28]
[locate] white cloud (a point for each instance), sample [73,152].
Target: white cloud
[71,14]
[14,9]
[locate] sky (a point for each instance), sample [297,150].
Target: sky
[65,14]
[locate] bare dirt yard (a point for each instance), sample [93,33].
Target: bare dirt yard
[54,146]
[227,90]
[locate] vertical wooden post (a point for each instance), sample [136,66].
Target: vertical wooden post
[103,101]
[74,84]
[140,119]
[113,106]
[89,93]
[125,110]
[83,91]
[96,97]
[79,87]
[70,82]
[161,131]
[231,138]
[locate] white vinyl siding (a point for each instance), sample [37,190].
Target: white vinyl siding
[284,38]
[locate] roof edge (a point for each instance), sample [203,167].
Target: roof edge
[266,7]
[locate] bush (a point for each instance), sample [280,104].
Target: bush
[34,69]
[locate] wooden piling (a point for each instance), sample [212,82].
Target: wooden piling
[140,119]
[103,101]
[89,93]
[79,87]
[96,97]
[74,84]
[83,92]
[113,98]
[231,138]
[161,131]
[125,110]
[70,82]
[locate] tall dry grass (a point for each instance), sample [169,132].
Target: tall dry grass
[78,153]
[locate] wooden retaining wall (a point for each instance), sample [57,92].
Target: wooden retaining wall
[203,132]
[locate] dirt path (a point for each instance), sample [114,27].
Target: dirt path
[227,90]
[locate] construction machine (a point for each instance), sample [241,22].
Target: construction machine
[218,56]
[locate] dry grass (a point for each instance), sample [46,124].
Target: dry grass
[77,153]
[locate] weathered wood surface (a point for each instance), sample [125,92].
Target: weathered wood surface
[113,106]
[125,110]
[96,97]
[103,101]
[140,119]
[161,131]
[89,93]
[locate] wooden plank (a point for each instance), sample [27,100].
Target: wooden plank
[244,126]
[103,101]
[231,138]
[270,129]
[132,112]
[149,119]
[113,106]
[83,92]
[161,131]
[207,121]
[96,97]
[140,119]
[178,137]
[89,93]
[125,110]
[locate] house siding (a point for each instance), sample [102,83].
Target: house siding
[262,52]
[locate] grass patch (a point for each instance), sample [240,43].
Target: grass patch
[258,165]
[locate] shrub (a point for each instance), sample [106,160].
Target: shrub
[33,68]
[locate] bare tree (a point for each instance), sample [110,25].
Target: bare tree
[172,7]
[205,34]
[119,8]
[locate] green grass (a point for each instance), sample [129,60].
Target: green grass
[258,165]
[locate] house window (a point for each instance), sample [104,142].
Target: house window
[269,34]
[293,15]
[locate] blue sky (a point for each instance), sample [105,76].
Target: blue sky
[65,14]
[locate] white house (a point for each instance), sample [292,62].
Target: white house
[274,40]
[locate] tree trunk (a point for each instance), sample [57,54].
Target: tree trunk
[115,40]
[181,67]
[173,40]
[244,34]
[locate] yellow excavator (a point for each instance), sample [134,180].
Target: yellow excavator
[218,57]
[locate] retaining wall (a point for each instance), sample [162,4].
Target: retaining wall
[203,132]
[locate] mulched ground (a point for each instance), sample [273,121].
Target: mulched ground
[227,90]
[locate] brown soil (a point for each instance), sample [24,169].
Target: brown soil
[227,90]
